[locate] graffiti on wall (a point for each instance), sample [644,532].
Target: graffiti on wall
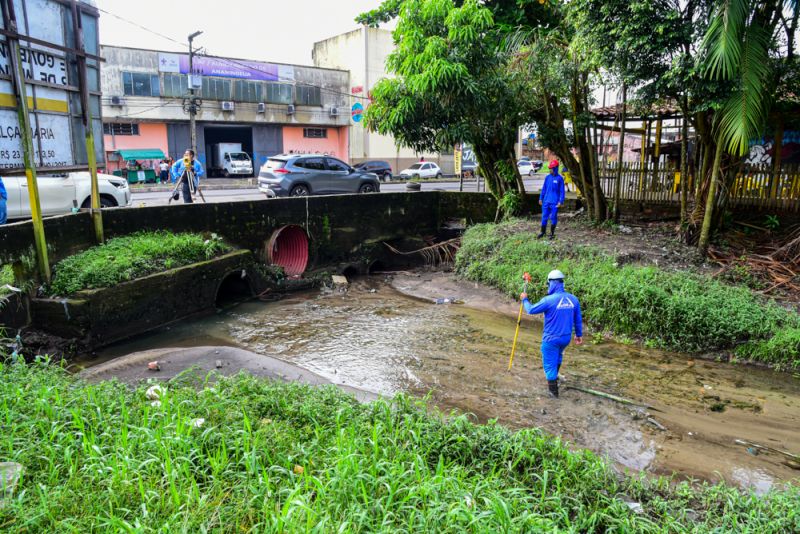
[763,150]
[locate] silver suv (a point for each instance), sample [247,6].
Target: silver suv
[313,174]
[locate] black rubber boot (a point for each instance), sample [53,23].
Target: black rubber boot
[552,388]
[553,231]
[544,230]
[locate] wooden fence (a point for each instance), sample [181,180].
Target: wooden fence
[755,185]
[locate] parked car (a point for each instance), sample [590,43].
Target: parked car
[381,168]
[525,168]
[422,170]
[58,194]
[313,174]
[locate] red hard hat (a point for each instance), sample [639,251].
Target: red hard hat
[553,164]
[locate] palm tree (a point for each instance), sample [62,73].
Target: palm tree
[737,47]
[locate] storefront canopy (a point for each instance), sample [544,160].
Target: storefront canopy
[141,153]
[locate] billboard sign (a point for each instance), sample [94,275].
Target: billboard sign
[223,67]
[51,88]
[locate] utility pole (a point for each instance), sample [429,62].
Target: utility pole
[86,117]
[192,100]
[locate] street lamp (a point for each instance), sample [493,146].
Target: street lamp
[192,102]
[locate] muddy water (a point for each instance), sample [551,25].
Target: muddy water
[388,338]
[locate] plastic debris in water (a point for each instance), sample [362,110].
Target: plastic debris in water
[446,300]
[153,366]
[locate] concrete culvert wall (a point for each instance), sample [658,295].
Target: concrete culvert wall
[233,289]
[288,248]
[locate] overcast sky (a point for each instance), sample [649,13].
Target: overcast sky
[283,31]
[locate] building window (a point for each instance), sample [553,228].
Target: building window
[279,93]
[121,128]
[315,133]
[245,91]
[216,88]
[140,84]
[176,85]
[308,96]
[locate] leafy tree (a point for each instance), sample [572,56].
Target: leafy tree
[451,86]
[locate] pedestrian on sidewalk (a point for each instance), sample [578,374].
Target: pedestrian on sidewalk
[181,176]
[163,175]
[562,315]
[551,198]
[3,199]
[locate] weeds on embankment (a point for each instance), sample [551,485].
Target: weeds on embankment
[678,311]
[132,256]
[272,457]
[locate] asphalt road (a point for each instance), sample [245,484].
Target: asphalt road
[231,195]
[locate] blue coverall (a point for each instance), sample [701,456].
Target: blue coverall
[553,191]
[176,173]
[562,314]
[3,206]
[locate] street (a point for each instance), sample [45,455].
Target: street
[161,198]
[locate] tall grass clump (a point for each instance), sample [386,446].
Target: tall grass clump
[132,256]
[6,277]
[277,457]
[679,311]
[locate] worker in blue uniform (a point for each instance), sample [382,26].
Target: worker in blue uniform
[562,315]
[551,198]
[3,201]
[178,173]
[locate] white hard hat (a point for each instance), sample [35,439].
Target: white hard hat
[555,275]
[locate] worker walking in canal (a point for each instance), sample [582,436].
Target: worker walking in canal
[562,315]
[551,198]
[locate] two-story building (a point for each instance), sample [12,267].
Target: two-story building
[269,108]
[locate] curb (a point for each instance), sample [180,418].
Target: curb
[157,189]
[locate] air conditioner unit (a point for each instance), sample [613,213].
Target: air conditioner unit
[226,106]
[262,107]
[334,111]
[117,101]
[290,109]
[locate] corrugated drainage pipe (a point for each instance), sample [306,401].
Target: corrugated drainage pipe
[288,248]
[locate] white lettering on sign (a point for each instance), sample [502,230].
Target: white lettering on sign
[39,65]
[51,141]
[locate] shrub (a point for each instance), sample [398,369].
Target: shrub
[129,257]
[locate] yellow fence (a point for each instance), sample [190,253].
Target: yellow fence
[755,186]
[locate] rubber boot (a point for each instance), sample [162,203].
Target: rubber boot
[553,231]
[552,388]
[544,230]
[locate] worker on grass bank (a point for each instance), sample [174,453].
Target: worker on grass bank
[179,174]
[551,198]
[562,315]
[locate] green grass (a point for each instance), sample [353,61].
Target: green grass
[276,457]
[133,256]
[6,277]
[678,311]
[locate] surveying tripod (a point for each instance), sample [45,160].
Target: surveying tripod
[188,175]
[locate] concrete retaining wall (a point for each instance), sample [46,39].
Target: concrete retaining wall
[101,316]
[341,228]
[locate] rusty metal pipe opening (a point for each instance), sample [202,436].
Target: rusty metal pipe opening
[288,248]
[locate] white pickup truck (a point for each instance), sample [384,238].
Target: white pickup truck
[59,194]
